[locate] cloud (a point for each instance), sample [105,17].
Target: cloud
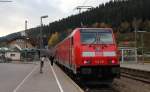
[14,14]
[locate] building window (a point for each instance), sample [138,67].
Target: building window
[12,55]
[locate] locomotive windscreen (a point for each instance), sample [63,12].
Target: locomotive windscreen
[96,36]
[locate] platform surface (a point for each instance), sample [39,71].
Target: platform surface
[143,67]
[27,78]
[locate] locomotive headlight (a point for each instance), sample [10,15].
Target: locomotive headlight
[113,62]
[87,62]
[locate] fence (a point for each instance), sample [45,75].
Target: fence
[29,55]
[128,55]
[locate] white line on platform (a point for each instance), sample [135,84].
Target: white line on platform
[15,90]
[72,82]
[59,85]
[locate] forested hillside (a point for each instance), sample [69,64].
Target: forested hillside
[122,15]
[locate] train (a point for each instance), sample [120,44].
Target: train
[89,53]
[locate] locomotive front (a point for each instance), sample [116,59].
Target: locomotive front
[98,56]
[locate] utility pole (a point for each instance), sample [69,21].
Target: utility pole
[81,8]
[135,36]
[142,44]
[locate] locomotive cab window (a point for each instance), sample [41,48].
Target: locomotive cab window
[106,38]
[96,36]
[87,38]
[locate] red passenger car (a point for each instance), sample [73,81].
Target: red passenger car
[89,52]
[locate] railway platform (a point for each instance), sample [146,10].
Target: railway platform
[53,79]
[27,78]
[136,66]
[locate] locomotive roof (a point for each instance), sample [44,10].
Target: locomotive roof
[94,28]
[79,29]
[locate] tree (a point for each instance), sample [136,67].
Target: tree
[54,38]
[124,27]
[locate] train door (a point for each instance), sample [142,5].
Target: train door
[70,52]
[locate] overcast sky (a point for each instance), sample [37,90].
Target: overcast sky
[14,14]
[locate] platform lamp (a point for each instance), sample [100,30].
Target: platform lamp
[26,22]
[41,33]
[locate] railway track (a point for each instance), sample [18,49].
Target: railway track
[137,78]
[91,87]
[94,87]
[99,88]
[138,75]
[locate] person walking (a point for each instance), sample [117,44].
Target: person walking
[52,59]
[42,63]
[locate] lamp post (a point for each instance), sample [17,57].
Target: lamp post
[26,33]
[26,39]
[41,33]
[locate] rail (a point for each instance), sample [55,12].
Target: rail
[138,75]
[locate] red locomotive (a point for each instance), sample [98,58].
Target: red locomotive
[89,53]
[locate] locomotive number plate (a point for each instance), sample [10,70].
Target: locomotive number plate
[98,53]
